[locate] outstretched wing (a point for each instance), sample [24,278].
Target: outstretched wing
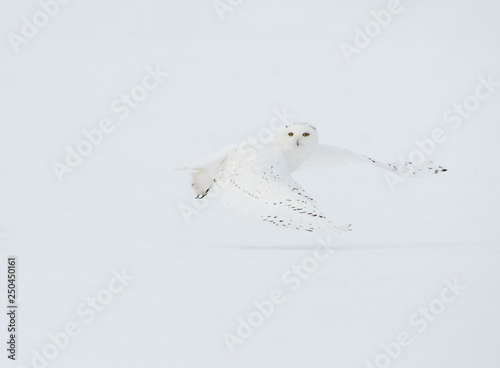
[260,187]
[330,156]
[204,171]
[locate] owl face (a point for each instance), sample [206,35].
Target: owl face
[298,136]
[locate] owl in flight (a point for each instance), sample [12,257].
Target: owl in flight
[256,181]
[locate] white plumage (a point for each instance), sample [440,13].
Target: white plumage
[256,181]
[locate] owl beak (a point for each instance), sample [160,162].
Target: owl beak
[297,142]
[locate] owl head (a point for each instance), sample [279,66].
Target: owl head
[298,136]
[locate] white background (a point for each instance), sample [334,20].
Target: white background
[120,207]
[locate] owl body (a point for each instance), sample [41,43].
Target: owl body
[256,182]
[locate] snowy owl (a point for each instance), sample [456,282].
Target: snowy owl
[256,181]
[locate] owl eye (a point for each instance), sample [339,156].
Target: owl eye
[306,134]
[290,134]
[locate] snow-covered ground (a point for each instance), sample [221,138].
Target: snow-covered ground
[418,273]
